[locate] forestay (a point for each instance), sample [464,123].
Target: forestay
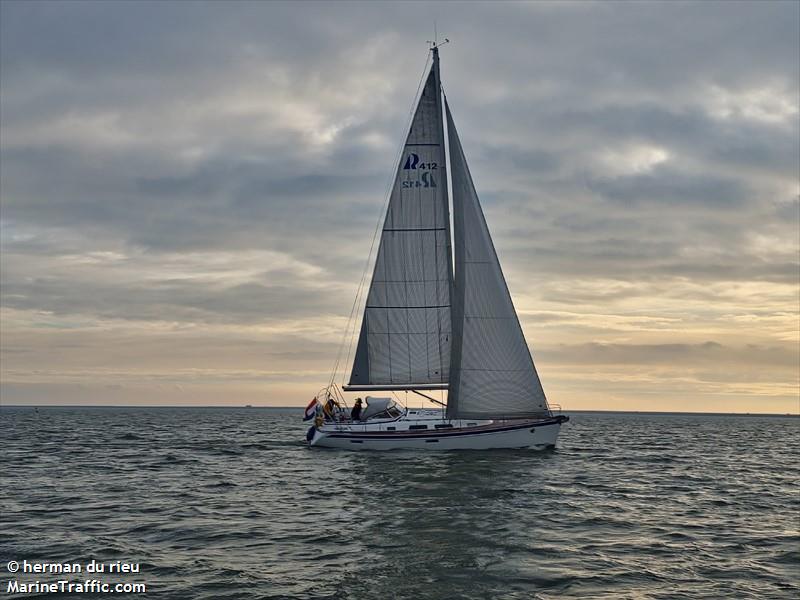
[492,373]
[405,331]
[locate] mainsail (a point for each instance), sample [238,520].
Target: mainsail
[492,373]
[405,332]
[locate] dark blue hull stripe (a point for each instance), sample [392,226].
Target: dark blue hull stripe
[439,433]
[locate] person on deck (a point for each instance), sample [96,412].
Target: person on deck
[355,414]
[330,408]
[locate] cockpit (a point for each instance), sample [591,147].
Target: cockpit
[381,408]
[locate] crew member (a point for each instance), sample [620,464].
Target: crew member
[355,414]
[329,408]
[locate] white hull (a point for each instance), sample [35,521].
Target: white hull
[538,435]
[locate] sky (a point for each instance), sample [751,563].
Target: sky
[188,192]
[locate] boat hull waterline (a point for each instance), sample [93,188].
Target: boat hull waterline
[529,434]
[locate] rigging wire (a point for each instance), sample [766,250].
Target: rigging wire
[352,320]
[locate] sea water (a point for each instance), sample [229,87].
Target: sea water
[231,503]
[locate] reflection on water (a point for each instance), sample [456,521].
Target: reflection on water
[443,520]
[230,503]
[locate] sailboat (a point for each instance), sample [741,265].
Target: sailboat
[438,316]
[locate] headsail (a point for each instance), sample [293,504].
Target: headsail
[405,331]
[492,372]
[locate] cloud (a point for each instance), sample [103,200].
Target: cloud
[678,354]
[194,165]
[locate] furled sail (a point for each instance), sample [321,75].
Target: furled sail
[405,331]
[492,372]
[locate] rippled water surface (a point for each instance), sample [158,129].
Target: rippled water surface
[229,503]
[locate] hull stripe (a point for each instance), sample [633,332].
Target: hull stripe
[439,433]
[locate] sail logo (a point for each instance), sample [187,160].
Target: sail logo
[426,180]
[411,162]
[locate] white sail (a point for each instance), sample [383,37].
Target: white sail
[405,331]
[492,373]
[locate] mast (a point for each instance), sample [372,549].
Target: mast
[440,119]
[448,233]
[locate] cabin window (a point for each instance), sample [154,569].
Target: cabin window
[391,428]
[444,426]
[418,427]
[472,424]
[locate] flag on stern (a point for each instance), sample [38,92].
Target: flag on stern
[311,410]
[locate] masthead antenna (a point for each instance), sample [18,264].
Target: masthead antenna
[435,45]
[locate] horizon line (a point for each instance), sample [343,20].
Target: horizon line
[562,411]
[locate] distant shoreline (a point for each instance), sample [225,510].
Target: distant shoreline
[300,408]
